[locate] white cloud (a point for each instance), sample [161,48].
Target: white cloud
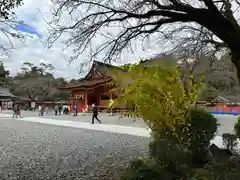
[36,13]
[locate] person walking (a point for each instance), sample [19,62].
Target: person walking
[60,109]
[46,110]
[75,109]
[67,110]
[95,114]
[14,111]
[40,110]
[19,111]
[56,110]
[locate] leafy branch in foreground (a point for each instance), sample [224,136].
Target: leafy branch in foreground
[158,95]
[181,133]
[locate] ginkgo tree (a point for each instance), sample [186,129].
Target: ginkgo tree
[158,95]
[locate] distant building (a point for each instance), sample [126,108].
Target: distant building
[95,88]
[6,98]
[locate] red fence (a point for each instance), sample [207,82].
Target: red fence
[224,109]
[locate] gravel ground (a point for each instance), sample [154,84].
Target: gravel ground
[43,152]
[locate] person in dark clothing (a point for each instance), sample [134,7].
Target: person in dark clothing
[95,114]
[60,109]
[14,110]
[19,111]
[56,110]
[42,110]
[75,108]
[65,110]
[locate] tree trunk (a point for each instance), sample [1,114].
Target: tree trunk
[228,32]
[236,61]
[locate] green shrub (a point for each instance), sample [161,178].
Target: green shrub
[203,127]
[181,158]
[215,170]
[230,141]
[237,127]
[171,156]
[140,169]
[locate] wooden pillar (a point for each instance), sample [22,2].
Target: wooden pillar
[71,102]
[85,99]
[99,99]
[99,102]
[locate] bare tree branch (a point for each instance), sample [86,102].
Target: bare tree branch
[110,27]
[6,6]
[9,34]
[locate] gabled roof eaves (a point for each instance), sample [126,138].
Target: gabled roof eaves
[101,68]
[87,84]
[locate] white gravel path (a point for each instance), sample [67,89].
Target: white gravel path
[36,151]
[36,148]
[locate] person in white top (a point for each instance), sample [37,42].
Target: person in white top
[46,109]
[40,110]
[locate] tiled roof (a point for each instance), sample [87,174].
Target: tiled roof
[103,68]
[87,83]
[4,92]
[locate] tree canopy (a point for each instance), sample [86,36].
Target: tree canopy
[190,26]
[4,76]
[38,83]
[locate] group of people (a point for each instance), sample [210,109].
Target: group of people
[58,109]
[41,110]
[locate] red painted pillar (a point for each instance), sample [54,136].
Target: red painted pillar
[71,103]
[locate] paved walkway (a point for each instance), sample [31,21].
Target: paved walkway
[225,121]
[137,131]
[106,119]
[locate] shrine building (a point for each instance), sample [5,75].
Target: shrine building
[93,88]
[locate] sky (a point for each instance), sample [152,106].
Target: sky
[35,13]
